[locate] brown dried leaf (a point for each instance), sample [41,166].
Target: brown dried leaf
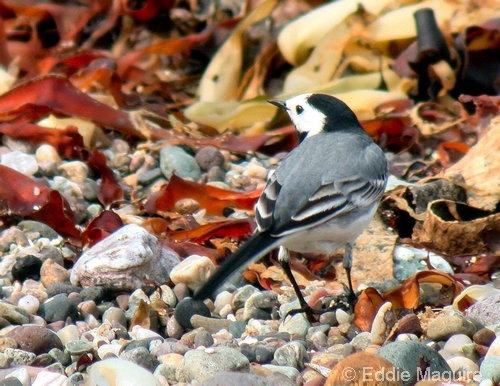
[480,168]
[457,228]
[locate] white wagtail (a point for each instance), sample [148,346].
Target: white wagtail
[321,197]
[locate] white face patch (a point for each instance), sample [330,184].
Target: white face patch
[305,118]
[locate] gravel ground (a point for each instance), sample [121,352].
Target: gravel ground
[72,326]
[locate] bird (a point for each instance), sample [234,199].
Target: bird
[320,198]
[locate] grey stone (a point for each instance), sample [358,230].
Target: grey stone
[296,325]
[209,157]
[58,308]
[412,357]
[443,327]
[13,314]
[148,176]
[78,347]
[141,357]
[292,354]
[226,378]
[210,324]
[203,338]
[39,227]
[486,311]
[174,159]
[202,364]
[115,315]
[490,368]
[19,357]
[243,295]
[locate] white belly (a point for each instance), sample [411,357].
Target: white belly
[329,236]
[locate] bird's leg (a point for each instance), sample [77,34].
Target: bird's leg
[284,260]
[347,264]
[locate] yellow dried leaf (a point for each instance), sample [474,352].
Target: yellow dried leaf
[224,115]
[298,37]
[221,79]
[400,23]
[85,128]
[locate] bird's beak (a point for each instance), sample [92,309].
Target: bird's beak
[280,104]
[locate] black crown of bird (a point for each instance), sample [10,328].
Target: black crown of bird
[320,198]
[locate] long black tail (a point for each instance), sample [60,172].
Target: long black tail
[256,246]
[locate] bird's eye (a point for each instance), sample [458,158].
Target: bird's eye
[299,109]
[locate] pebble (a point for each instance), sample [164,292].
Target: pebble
[248,379]
[19,357]
[47,153]
[383,323]
[187,308]
[363,369]
[203,338]
[120,372]
[115,315]
[342,316]
[212,325]
[13,314]
[296,325]
[486,311]
[123,260]
[361,341]
[484,336]
[193,271]
[21,375]
[409,356]
[201,364]
[53,273]
[35,339]
[27,267]
[30,226]
[174,159]
[141,357]
[29,303]
[494,349]
[441,328]
[290,372]
[209,157]
[490,368]
[463,366]
[58,307]
[455,344]
[75,171]
[292,354]
[242,295]
[23,163]
[68,334]
[66,187]
[78,347]
[166,295]
[49,378]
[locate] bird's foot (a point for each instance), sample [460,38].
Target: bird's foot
[350,296]
[308,310]
[345,301]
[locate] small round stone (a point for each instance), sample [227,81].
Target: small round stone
[174,159]
[23,163]
[29,303]
[484,337]
[209,157]
[186,308]
[192,271]
[443,327]
[47,153]
[490,368]
[78,347]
